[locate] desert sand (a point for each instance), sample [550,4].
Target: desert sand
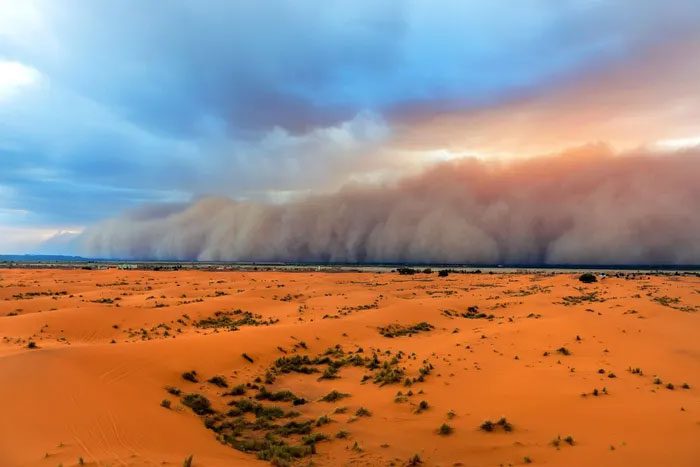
[606,373]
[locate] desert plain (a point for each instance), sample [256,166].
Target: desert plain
[234,368]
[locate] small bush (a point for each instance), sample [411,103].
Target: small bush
[334,396]
[587,278]
[165,403]
[445,429]
[502,423]
[363,412]
[414,460]
[397,330]
[219,381]
[236,391]
[198,403]
[190,376]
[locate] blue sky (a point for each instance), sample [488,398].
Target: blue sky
[108,105]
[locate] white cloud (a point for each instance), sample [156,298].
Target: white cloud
[14,76]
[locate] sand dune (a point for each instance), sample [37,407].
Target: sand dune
[85,357]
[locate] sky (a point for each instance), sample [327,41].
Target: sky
[113,110]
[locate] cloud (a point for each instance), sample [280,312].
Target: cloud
[585,206]
[646,97]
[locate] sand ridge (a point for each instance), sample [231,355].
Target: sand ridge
[86,356]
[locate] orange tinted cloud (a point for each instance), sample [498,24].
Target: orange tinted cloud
[650,97]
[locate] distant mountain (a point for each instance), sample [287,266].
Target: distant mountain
[42,258]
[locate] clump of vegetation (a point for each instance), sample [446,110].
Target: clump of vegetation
[557,442]
[422,406]
[363,412]
[502,424]
[445,429]
[334,396]
[232,320]
[406,271]
[190,376]
[173,390]
[587,278]
[471,313]
[388,374]
[295,364]
[564,351]
[397,330]
[284,396]
[414,461]
[238,390]
[198,403]
[585,297]
[247,357]
[219,381]
[165,403]
[32,345]
[323,420]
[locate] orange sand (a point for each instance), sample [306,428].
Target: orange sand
[80,396]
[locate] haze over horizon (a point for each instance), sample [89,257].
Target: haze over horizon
[455,132]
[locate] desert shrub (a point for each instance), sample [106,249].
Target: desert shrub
[236,391]
[219,381]
[414,461]
[334,396]
[406,271]
[294,428]
[445,429]
[587,278]
[422,406]
[165,403]
[285,396]
[397,330]
[313,438]
[247,357]
[502,423]
[190,376]
[198,403]
[363,412]
[323,420]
